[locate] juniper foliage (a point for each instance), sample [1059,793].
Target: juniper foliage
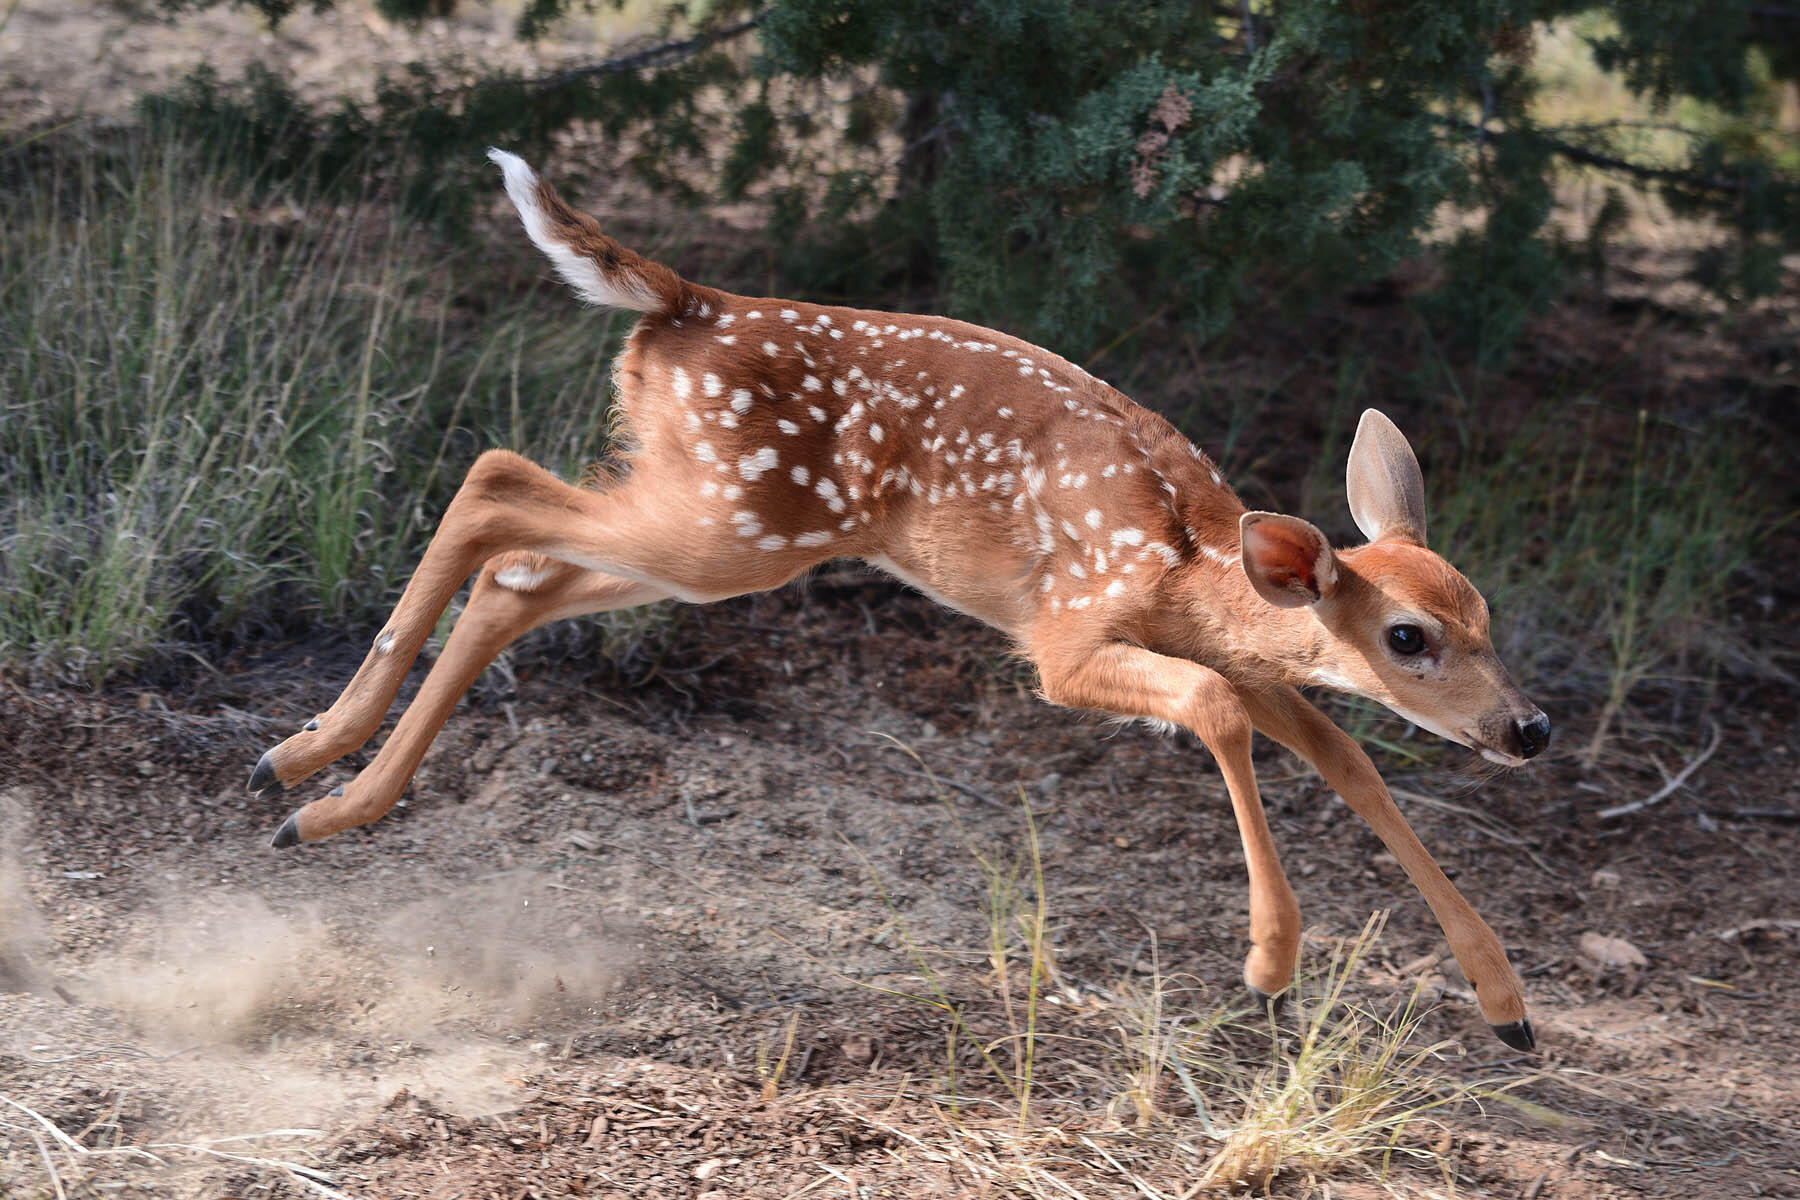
[1074,168]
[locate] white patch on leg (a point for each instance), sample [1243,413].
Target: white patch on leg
[520,578]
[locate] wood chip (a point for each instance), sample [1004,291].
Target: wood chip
[1611,951]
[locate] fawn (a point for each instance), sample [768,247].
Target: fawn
[763,437]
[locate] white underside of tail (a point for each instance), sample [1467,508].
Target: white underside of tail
[617,290]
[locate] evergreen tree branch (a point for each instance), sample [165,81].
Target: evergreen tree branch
[1608,162]
[651,56]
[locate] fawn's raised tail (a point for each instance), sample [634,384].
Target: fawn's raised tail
[599,268]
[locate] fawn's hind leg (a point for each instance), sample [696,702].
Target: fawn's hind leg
[514,594]
[633,531]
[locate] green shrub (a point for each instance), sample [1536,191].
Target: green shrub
[1072,169]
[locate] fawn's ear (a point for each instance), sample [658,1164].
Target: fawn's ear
[1387,493]
[1289,562]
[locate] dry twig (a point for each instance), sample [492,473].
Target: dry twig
[1674,783]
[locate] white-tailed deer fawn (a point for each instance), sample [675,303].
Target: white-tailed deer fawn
[764,437]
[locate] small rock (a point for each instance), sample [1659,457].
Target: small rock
[582,839]
[1423,963]
[1611,951]
[1432,990]
[1048,784]
[1605,879]
[709,1168]
[859,1048]
[540,1047]
[1453,973]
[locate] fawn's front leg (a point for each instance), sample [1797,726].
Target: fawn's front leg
[1131,681]
[1285,715]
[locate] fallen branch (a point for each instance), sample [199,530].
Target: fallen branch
[1673,785]
[936,781]
[318,1181]
[1482,823]
[70,1144]
[50,1166]
[1738,931]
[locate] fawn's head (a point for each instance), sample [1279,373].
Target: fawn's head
[1401,626]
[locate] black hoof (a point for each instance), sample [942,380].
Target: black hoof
[1266,1003]
[287,835]
[336,791]
[1517,1034]
[311,725]
[262,779]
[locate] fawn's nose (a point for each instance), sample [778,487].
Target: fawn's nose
[1534,735]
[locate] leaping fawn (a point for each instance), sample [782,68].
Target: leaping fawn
[767,436]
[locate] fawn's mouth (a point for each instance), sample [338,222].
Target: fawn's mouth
[1489,751]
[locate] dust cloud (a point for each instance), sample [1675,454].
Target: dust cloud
[454,997]
[23,935]
[505,952]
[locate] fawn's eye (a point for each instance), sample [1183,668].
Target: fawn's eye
[1406,639]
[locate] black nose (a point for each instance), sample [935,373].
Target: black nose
[1534,735]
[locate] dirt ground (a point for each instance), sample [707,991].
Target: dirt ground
[569,963]
[96,57]
[692,927]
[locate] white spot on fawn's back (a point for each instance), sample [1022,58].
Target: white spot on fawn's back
[752,466]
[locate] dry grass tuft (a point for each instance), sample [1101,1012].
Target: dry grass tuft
[1349,1091]
[1155,1087]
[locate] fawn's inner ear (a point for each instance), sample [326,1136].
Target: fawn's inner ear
[1288,561]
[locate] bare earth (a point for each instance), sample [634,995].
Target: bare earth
[568,965]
